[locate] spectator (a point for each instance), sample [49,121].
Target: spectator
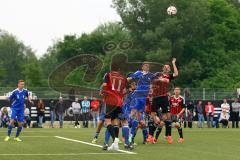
[95,111]
[216,116]
[209,110]
[199,109]
[40,111]
[225,106]
[52,113]
[85,111]
[235,113]
[224,118]
[27,118]
[60,109]
[4,116]
[189,115]
[76,108]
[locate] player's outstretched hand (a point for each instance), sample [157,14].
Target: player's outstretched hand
[174,60]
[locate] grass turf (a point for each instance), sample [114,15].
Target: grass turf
[39,144]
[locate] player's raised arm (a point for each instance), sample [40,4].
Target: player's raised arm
[175,70]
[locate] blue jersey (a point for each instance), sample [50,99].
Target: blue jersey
[144,82]
[128,101]
[18,98]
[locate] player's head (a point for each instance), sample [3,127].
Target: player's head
[177,91]
[131,86]
[146,66]
[209,103]
[76,99]
[85,97]
[21,84]
[166,68]
[115,67]
[224,100]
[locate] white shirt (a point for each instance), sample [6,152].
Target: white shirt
[224,115]
[225,107]
[76,107]
[26,112]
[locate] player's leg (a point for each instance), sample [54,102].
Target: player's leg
[159,130]
[180,130]
[125,132]
[134,124]
[98,130]
[144,128]
[20,119]
[112,113]
[11,124]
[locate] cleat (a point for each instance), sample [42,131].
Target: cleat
[128,147]
[94,141]
[17,139]
[180,140]
[169,139]
[149,138]
[105,147]
[114,145]
[7,139]
[155,140]
[152,140]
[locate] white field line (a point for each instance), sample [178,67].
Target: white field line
[31,136]
[90,144]
[58,154]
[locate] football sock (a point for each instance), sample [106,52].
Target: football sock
[125,132]
[159,130]
[10,130]
[19,129]
[116,131]
[96,135]
[107,137]
[180,132]
[110,129]
[145,134]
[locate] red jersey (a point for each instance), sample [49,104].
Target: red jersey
[161,88]
[115,89]
[176,104]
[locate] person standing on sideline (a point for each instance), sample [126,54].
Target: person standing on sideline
[52,107]
[40,112]
[209,110]
[95,111]
[60,109]
[85,111]
[199,109]
[235,113]
[225,106]
[76,108]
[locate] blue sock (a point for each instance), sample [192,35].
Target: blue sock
[9,130]
[19,129]
[125,132]
[134,127]
[107,137]
[96,135]
[145,134]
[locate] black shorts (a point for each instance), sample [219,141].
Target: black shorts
[113,112]
[160,102]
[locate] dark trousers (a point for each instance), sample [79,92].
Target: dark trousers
[85,119]
[235,119]
[224,123]
[76,118]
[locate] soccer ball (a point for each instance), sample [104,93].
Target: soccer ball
[172,10]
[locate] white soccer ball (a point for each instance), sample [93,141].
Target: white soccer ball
[172,10]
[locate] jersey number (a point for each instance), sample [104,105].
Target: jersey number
[116,85]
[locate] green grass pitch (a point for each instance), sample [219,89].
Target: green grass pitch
[42,144]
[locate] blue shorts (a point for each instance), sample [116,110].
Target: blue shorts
[17,114]
[142,117]
[140,104]
[126,112]
[102,117]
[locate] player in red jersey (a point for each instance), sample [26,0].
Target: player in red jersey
[113,90]
[177,108]
[161,100]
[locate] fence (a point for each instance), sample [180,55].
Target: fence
[188,93]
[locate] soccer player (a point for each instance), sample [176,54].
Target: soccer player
[161,99]
[126,111]
[113,90]
[99,127]
[18,99]
[177,108]
[144,78]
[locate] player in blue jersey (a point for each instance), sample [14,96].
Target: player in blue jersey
[126,112]
[144,78]
[17,98]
